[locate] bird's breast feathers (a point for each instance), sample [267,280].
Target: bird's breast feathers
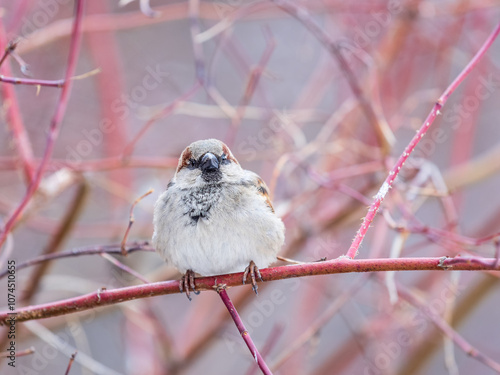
[217,228]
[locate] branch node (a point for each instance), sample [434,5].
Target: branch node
[219,287]
[442,265]
[344,257]
[103,289]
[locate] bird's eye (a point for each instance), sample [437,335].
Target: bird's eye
[192,164]
[224,159]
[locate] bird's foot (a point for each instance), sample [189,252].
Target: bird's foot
[186,283]
[254,273]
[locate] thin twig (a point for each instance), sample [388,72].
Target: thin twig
[14,118]
[131,221]
[58,83]
[71,360]
[11,46]
[20,353]
[32,82]
[124,267]
[90,250]
[243,331]
[67,223]
[387,185]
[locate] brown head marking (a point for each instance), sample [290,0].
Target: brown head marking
[229,154]
[184,159]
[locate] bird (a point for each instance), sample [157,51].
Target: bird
[215,217]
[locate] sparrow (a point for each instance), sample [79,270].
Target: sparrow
[215,217]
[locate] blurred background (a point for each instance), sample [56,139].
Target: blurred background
[320,104]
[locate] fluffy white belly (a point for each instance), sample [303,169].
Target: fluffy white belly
[220,243]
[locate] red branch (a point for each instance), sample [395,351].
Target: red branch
[56,120]
[243,331]
[341,265]
[32,82]
[372,211]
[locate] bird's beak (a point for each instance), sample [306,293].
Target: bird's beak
[209,163]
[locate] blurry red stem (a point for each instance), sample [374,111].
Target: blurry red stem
[56,120]
[341,265]
[13,112]
[243,331]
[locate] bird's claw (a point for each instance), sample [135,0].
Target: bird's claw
[186,283]
[253,270]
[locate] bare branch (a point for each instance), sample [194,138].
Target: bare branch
[341,265]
